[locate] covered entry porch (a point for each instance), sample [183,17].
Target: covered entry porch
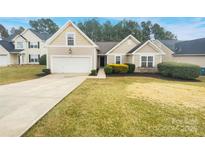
[102,61]
[15,58]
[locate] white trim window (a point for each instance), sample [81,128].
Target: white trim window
[34,58]
[19,45]
[118,59]
[70,39]
[147,61]
[33,44]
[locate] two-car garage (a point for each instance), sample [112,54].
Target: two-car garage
[70,50]
[71,64]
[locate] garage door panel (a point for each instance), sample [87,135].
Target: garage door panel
[71,64]
[4,60]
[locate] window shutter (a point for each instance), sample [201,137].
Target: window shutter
[29,44]
[29,58]
[38,57]
[38,44]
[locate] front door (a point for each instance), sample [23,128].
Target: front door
[102,61]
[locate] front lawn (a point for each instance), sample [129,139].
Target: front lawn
[18,73]
[128,106]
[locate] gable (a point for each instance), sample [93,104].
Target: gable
[148,48]
[125,46]
[30,36]
[60,37]
[164,48]
[19,39]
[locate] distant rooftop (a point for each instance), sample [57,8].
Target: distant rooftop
[42,35]
[8,46]
[196,46]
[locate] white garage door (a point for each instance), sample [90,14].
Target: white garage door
[4,61]
[70,64]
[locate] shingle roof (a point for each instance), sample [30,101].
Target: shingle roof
[42,35]
[186,47]
[170,43]
[191,47]
[104,47]
[135,48]
[8,46]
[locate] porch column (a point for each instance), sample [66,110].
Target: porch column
[21,59]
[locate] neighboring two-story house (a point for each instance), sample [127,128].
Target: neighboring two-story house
[25,48]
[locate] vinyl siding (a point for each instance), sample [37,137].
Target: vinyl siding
[168,54]
[197,60]
[20,39]
[147,49]
[3,50]
[110,59]
[31,37]
[125,47]
[14,59]
[61,39]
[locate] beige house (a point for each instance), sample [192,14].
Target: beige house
[147,55]
[71,51]
[25,48]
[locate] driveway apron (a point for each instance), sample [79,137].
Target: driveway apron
[23,104]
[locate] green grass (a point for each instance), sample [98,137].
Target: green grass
[18,73]
[103,108]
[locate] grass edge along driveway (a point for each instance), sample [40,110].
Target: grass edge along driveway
[17,73]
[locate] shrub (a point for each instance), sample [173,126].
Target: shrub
[119,68]
[42,60]
[179,70]
[93,72]
[108,69]
[131,67]
[46,71]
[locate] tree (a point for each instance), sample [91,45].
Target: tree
[44,25]
[93,29]
[3,32]
[169,35]
[125,28]
[160,33]
[146,30]
[107,31]
[133,28]
[82,27]
[15,31]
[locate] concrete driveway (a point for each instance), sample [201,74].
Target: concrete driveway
[23,104]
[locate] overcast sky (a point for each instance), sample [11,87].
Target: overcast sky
[184,28]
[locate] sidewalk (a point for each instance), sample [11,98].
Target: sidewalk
[101,74]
